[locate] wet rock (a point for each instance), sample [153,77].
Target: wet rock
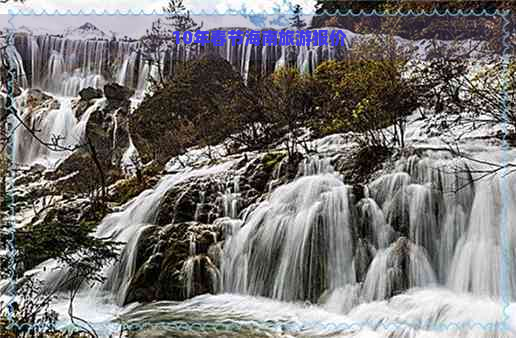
[358,164]
[148,239]
[80,107]
[262,170]
[116,92]
[107,127]
[174,264]
[179,204]
[90,93]
[363,257]
[358,192]
[106,140]
[204,199]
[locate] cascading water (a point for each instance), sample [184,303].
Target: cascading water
[16,63]
[314,214]
[127,226]
[64,65]
[427,224]
[479,255]
[430,200]
[301,244]
[231,198]
[55,125]
[401,266]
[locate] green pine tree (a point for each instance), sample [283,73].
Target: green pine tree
[296,21]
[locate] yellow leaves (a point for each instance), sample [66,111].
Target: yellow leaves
[287,74]
[360,108]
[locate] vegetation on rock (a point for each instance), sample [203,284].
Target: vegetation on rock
[201,105]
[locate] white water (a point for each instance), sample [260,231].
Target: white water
[300,242]
[74,64]
[298,245]
[63,66]
[417,313]
[126,226]
[58,128]
[478,261]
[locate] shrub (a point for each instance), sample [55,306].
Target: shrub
[364,97]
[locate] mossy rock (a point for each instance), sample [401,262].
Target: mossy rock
[272,159]
[164,253]
[358,165]
[125,189]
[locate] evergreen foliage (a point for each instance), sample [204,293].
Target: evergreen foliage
[296,21]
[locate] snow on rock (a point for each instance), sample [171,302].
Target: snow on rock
[86,31]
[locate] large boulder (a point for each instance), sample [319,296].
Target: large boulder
[116,92]
[90,93]
[86,96]
[201,105]
[107,132]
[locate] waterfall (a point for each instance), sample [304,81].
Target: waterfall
[56,68]
[54,123]
[127,226]
[296,245]
[302,243]
[196,270]
[430,201]
[426,231]
[130,158]
[64,66]
[231,198]
[374,224]
[34,53]
[315,166]
[16,63]
[477,262]
[127,71]
[401,266]
[142,210]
